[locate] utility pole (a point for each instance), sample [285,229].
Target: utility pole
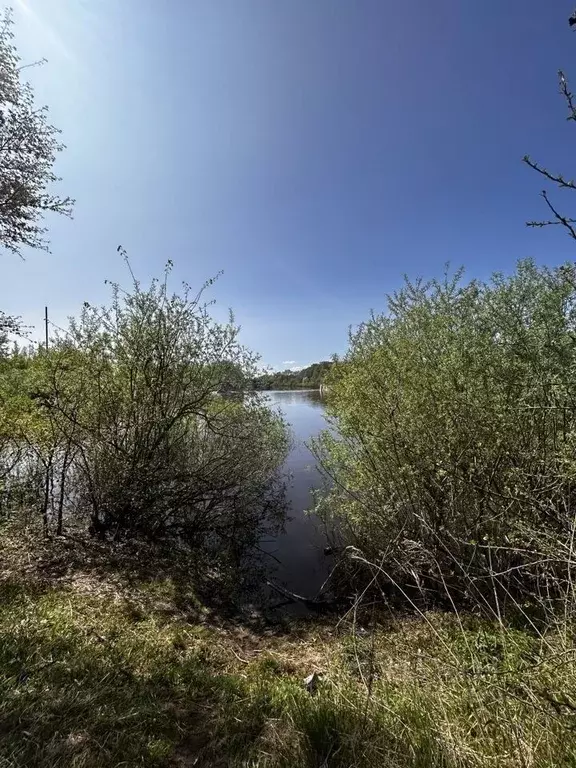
[48,478]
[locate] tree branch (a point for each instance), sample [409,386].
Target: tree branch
[556,178]
[559,219]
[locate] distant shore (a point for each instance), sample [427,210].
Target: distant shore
[289,389]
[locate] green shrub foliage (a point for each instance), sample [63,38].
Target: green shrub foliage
[138,416]
[454,455]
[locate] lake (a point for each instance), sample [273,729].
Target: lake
[303,566]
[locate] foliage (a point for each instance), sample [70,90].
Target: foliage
[311,377]
[126,415]
[28,148]
[454,465]
[8,326]
[20,481]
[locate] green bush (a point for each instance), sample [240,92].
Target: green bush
[139,420]
[453,454]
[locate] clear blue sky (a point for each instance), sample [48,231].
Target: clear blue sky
[315,150]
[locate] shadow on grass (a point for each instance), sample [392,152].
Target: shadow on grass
[89,678]
[197,586]
[83,685]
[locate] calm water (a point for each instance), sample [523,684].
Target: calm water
[303,566]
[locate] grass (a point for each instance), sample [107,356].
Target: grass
[103,671]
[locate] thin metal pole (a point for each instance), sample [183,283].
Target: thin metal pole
[48,482]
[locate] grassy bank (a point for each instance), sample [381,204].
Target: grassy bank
[108,670]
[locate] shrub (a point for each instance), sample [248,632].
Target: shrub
[453,465]
[147,430]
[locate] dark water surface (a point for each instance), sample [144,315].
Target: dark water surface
[303,566]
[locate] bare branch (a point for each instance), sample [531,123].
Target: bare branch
[563,220]
[556,178]
[568,95]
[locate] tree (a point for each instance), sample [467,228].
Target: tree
[8,325]
[311,377]
[558,218]
[28,148]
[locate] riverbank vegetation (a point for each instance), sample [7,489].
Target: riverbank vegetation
[311,377]
[121,637]
[119,428]
[453,449]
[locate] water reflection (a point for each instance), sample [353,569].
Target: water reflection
[302,398]
[302,566]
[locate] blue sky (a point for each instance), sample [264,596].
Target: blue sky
[315,150]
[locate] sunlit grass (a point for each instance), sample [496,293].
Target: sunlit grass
[93,675]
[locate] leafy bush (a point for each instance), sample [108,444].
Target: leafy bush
[454,458]
[21,437]
[139,417]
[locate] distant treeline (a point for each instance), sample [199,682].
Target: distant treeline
[307,378]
